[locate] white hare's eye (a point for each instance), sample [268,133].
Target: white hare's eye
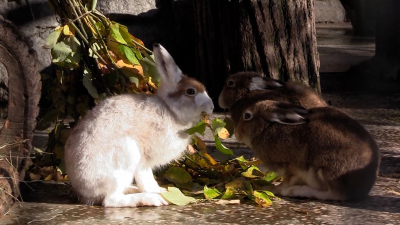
[190,91]
[230,83]
[247,116]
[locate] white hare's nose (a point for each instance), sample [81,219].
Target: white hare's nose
[204,102]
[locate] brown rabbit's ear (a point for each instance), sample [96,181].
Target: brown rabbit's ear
[289,114]
[265,83]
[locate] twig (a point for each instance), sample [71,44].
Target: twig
[13,144]
[4,191]
[32,221]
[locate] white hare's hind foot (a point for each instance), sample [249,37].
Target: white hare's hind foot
[134,200]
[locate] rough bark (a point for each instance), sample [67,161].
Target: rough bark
[20,75]
[273,37]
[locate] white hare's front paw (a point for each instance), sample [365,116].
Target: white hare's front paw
[163,190]
[153,199]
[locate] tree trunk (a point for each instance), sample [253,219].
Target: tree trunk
[19,96]
[273,37]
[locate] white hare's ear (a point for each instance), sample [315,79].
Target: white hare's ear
[166,66]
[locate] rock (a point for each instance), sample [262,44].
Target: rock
[133,8]
[36,30]
[329,11]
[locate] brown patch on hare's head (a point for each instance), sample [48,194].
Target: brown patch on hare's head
[192,97]
[188,86]
[239,85]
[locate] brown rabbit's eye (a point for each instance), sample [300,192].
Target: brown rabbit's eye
[230,83]
[247,116]
[190,91]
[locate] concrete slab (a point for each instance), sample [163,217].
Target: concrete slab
[53,202]
[339,50]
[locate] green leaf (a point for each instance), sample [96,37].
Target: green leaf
[95,47]
[134,80]
[235,186]
[252,172]
[93,5]
[269,193]
[101,28]
[150,70]
[229,193]
[175,196]
[88,83]
[217,125]
[47,120]
[270,176]
[199,128]
[52,39]
[241,159]
[211,193]
[114,28]
[221,147]
[60,52]
[262,199]
[177,175]
[73,43]
[129,54]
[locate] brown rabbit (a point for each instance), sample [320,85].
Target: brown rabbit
[245,88]
[321,152]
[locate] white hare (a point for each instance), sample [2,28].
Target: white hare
[124,137]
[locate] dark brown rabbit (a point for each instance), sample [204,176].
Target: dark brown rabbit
[321,153]
[245,88]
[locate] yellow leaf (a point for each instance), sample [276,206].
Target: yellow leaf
[200,144]
[137,40]
[210,159]
[262,199]
[206,118]
[49,177]
[67,31]
[223,133]
[175,196]
[65,177]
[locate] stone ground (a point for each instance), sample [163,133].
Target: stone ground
[52,202]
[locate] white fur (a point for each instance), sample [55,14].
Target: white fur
[126,136]
[257,83]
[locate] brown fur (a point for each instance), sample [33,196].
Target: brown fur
[239,97]
[184,84]
[329,141]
